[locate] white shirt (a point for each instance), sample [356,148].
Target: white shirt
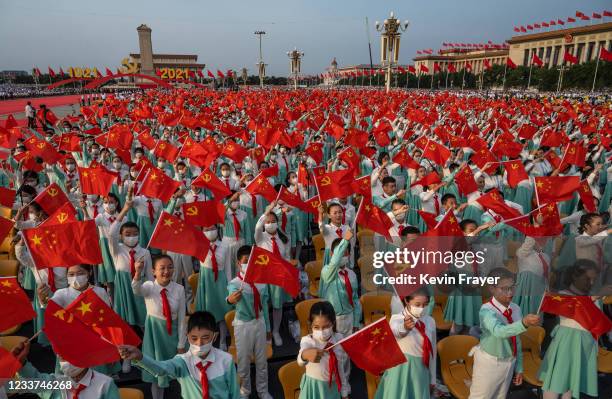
[221,252]
[590,247]
[428,201]
[221,362]
[65,296]
[141,204]
[263,239]
[121,253]
[528,259]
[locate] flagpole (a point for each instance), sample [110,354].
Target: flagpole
[446,83]
[357,332]
[596,68]
[541,301]
[529,80]
[419,80]
[155,229]
[504,79]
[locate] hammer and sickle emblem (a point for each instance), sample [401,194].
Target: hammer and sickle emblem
[514,166]
[572,150]
[230,147]
[315,204]
[206,177]
[432,147]
[350,153]
[129,66]
[52,192]
[262,260]
[325,181]
[192,211]
[162,146]
[62,217]
[494,196]
[41,145]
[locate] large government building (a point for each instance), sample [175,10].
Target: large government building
[582,42]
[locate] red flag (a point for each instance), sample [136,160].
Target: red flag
[108,72]
[429,219]
[605,55]
[465,181]
[586,196]
[64,214]
[451,68]
[119,136]
[579,308]
[510,64]
[405,160]
[351,158]
[204,213]
[495,202]
[234,151]
[220,74]
[556,188]
[146,139]
[365,347]
[292,199]
[570,20]
[210,181]
[10,122]
[315,151]
[173,234]
[433,151]
[166,150]
[423,68]
[607,13]
[6,225]
[373,218]
[210,74]
[428,180]
[9,365]
[70,142]
[42,149]
[516,172]
[92,311]
[575,154]
[157,184]
[411,69]
[570,58]
[64,331]
[196,153]
[265,267]
[447,227]
[51,72]
[64,244]
[437,67]
[335,184]
[260,185]
[96,181]
[527,131]
[487,64]
[16,307]
[536,60]
[7,197]
[51,198]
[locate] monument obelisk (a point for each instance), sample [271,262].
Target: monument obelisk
[146,50]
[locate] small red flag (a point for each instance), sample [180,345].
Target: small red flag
[7,197]
[166,150]
[51,198]
[373,218]
[16,307]
[428,180]
[605,55]
[260,185]
[579,308]
[536,60]
[465,181]
[157,184]
[292,199]
[6,225]
[265,267]
[173,234]
[210,181]
[234,151]
[586,196]
[495,202]
[9,365]
[570,58]
[64,214]
[365,347]
[315,151]
[510,64]
[336,184]
[204,213]
[97,180]
[516,172]
[403,159]
[556,188]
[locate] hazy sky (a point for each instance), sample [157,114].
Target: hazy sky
[101,32]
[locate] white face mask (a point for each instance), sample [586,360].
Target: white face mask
[131,241]
[70,370]
[322,335]
[110,208]
[238,166]
[234,205]
[70,167]
[271,227]
[225,173]
[79,281]
[32,217]
[211,235]
[243,267]
[415,311]
[200,350]
[117,165]
[400,217]
[161,164]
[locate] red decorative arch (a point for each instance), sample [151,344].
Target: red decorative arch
[65,82]
[99,82]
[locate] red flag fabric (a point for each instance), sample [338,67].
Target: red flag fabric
[210,181]
[405,160]
[6,225]
[428,180]
[575,154]
[570,58]
[97,180]
[351,158]
[292,199]
[42,149]
[92,311]
[579,308]
[335,184]
[64,244]
[605,55]
[510,64]
[166,150]
[465,181]
[586,196]
[433,151]
[16,307]
[373,218]
[429,219]
[64,214]
[536,60]
[51,198]
[173,234]
[447,227]
[315,151]
[7,197]
[423,68]
[556,188]
[265,267]
[157,184]
[204,213]
[494,201]
[234,151]
[51,72]
[365,347]
[9,365]
[10,122]
[260,185]
[515,171]
[64,331]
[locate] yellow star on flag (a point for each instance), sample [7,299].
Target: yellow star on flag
[84,308]
[7,283]
[36,240]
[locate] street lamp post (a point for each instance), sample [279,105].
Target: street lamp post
[295,58]
[389,44]
[260,65]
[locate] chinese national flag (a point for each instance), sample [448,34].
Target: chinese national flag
[173,234]
[69,335]
[551,225]
[5,228]
[434,151]
[204,213]
[403,159]
[495,202]
[527,131]
[69,142]
[9,365]
[447,227]
[337,184]
[516,172]
[579,308]
[158,185]
[92,311]
[63,214]
[119,136]
[260,185]
[586,196]
[265,267]
[64,244]
[210,181]
[51,118]
[292,199]
[428,180]
[510,64]
[146,139]
[315,151]
[424,69]
[536,60]
[196,153]
[465,181]
[556,188]
[335,129]
[373,218]
[605,55]
[210,74]
[51,198]
[16,307]
[7,197]
[429,219]
[234,151]
[363,187]
[96,181]
[570,58]
[365,347]
[166,150]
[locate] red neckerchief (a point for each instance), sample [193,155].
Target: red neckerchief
[508,315]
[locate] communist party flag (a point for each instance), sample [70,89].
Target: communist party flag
[579,308]
[5,228]
[465,181]
[196,153]
[261,186]
[64,244]
[351,158]
[586,196]
[494,201]
[157,184]
[265,267]
[575,154]
[427,180]
[69,142]
[429,219]
[204,213]
[7,197]
[515,171]
[556,188]
[336,184]
[403,159]
[40,148]
[96,180]
[291,199]
[9,365]
[166,151]
[16,307]
[234,151]
[69,336]
[173,234]
[372,217]
[315,151]
[64,214]
[210,181]
[434,151]
[365,347]
[51,198]
[92,311]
